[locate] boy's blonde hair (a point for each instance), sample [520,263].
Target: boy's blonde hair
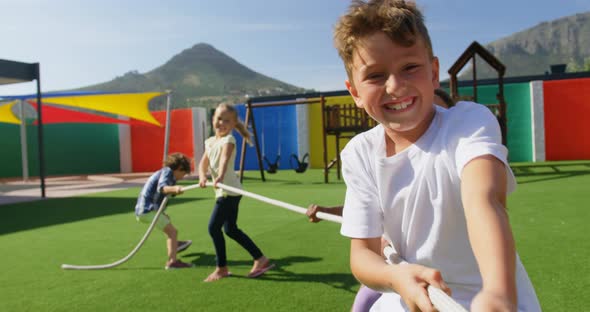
[178,161]
[401,21]
[240,127]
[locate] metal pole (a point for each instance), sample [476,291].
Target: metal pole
[254,132]
[167,131]
[40,131]
[23,142]
[324,137]
[243,151]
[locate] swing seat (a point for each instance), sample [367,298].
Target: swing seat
[272,167]
[301,165]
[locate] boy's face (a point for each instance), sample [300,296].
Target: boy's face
[179,174]
[394,84]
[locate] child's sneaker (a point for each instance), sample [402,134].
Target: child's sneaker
[178,265]
[183,245]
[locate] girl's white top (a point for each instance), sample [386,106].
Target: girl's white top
[414,198]
[213,148]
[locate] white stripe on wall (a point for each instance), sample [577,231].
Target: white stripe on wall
[199,133]
[125,147]
[537,120]
[302,112]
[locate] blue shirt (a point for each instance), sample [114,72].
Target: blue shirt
[151,195]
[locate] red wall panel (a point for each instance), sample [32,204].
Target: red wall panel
[147,141]
[567,119]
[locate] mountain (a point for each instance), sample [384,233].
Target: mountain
[199,76]
[531,52]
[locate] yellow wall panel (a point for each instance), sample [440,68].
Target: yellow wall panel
[316,154]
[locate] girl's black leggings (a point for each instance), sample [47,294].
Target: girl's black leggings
[225,214]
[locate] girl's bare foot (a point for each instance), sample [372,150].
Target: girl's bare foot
[218,274]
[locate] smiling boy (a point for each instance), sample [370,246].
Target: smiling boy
[434,181]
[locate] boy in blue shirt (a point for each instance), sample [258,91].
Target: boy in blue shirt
[160,184]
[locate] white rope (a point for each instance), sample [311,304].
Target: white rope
[320,215]
[301,210]
[131,254]
[440,300]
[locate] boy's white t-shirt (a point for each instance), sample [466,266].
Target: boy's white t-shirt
[414,198]
[213,148]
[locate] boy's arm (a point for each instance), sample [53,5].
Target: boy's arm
[408,280]
[172,189]
[483,192]
[166,183]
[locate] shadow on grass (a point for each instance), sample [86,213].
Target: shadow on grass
[32,215]
[279,273]
[548,176]
[274,179]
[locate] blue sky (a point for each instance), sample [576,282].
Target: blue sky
[79,43]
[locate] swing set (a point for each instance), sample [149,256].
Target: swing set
[301,164]
[340,120]
[273,167]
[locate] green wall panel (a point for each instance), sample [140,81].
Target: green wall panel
[69,149]
[518,102]
[10,155]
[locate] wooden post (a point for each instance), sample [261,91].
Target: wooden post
[324,123]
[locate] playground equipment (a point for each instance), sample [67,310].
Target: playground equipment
[273,167]
[301,165]
[249,121]
[470,53]
[342,121]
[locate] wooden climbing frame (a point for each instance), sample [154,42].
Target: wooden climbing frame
[342,121]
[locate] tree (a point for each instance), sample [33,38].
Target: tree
[573,67]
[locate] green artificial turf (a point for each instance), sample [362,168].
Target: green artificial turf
[550,217]
[549,214]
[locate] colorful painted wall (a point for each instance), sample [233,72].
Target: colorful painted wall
[276,128]
[561,133]
[519,123]
[518,115]
[77,148]
[69,149]
[279,132]
[147,141]
[566,112]
[316,132]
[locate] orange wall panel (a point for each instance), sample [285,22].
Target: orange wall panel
[147,141]
[567,119]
